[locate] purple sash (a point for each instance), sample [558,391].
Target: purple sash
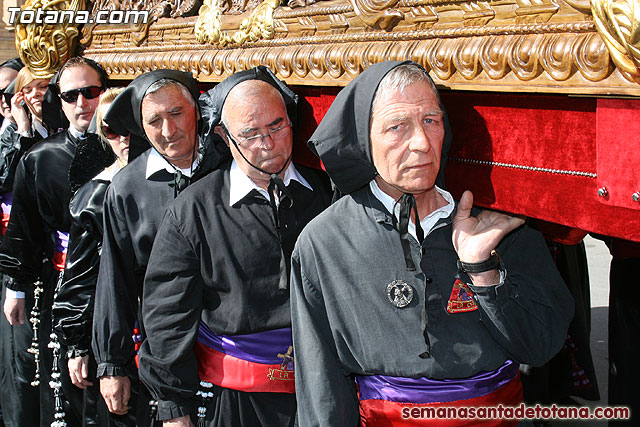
[426,390]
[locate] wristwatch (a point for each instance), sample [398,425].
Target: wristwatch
[489,264]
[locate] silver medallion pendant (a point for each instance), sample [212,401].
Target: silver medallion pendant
[400,293]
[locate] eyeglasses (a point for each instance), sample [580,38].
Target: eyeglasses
[252,141]
[89,92]
[110,133]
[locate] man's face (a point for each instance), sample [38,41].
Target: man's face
[169,121]
[6,77]
[81,111]
[406,138]
[261,112]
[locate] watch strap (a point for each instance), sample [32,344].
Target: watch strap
[488,264]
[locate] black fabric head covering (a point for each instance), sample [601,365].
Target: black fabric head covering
[11,88]
[13,63]
[342,141]
[52,114]
[125,114]
[213,100]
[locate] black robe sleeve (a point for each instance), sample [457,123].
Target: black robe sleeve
[116,304]
[73,305]
[527,315]
[12,147]
[319,372]
[22,247]
[172,306]
[171,313]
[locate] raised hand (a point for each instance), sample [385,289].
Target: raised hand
[475,237]
[19,113]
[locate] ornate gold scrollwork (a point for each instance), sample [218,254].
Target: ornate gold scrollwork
[378,14]
[618,23]
[258,26]
[45,47]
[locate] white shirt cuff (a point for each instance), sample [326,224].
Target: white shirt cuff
[15,294]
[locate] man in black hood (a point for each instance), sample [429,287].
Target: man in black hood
[399,299]
[158,108]
[216,297]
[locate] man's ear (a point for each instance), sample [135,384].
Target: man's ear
[222,134]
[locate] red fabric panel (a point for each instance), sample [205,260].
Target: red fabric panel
[618,151]
[382,413]
[525,131]
[238,374]
[314,103]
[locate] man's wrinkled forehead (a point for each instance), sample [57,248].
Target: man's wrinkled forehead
[6,76]
[252,92]
[168,98]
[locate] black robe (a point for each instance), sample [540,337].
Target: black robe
[41,196]
[73,305]
[220,265]
[133,209]
[20,401]
[12,147]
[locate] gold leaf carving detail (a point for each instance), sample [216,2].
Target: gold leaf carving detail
[556,56]
[258,26]
[618,22]
[378,14]
[466,57]
[45,47]
[535,11]
[494,57]
[477,13]
[523,56]
[592,58]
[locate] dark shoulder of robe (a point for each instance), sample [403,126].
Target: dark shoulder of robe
[133,209]
[41,195]
[344,323]
[12,147]
[73,305]
[218,264]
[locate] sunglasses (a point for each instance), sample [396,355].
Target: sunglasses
[7,96]
[110,133]
[89,92]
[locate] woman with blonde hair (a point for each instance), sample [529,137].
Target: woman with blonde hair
[26,104]
[103,153]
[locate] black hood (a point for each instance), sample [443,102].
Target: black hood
[11,88]
[52,114]
[13,63]
[211,102]
[125,114]
[342,140]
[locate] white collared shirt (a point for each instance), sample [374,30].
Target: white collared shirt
[428,222]
[156,163]
[39,127]
[5,124]
[240,184]
[77,134]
